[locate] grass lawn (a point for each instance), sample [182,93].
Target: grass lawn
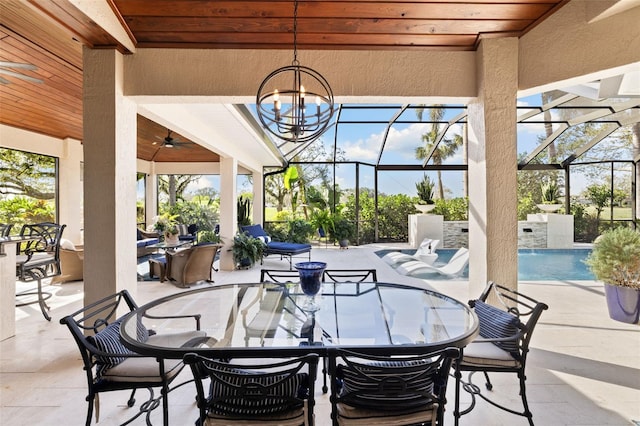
[618,213]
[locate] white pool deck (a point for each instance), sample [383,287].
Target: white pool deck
[583,369]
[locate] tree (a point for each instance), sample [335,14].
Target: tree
[174,186]
[27,174]
[599,195]
[446,148]
[308,174]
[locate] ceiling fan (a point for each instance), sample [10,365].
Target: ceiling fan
[170,142]
[19,66]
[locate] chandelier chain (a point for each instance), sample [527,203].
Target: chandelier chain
[295,32]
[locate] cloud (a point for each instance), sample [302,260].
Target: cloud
[363,149]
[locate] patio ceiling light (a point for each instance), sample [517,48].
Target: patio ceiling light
[283,97]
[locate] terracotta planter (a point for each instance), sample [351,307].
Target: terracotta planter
[623,303]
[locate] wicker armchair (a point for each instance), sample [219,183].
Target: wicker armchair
[192,265]
[71,263]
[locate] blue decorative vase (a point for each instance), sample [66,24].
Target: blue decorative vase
[310,281]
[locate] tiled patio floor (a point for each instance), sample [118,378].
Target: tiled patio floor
[584,368]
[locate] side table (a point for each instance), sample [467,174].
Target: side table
[157,268]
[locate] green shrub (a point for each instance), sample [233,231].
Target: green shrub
[453,209]
[22,210]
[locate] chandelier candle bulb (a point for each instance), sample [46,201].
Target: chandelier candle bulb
[293,124]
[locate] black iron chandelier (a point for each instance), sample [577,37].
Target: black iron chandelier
[295,103]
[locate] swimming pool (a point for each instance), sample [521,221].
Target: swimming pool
[533,264]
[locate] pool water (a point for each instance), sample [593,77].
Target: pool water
[533,264]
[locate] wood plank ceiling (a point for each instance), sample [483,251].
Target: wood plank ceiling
[50,33]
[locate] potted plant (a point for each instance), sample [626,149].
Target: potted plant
[247,250]
[343,231]
[166,225]
[550,195]
[322,221]
[615,260]
[208,236]
[425,194]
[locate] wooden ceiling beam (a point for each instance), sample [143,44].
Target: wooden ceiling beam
[393,27]
[335,9]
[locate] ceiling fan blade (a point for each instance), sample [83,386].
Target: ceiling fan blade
[18,65]
[20,76]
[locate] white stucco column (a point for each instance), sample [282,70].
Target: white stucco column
[228,210]
[151,196]
[109,126]
[493,231]
[70,191]
[258,197]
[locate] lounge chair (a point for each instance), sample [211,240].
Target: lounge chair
[454,268]
[283,249]
[424,253]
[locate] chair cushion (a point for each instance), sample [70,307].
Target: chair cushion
[183,229]
[366,417]
[278,247]
[67,245]
[146,369]
[496,324]
[142,369]
[108,340]
[243,405]
[486,354]
[255,231]
[294,417]
[395,389]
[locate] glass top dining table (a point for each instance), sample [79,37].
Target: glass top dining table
[251,319]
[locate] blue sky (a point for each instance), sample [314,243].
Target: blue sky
[362,142]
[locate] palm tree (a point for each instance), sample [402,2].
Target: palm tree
[446,148]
